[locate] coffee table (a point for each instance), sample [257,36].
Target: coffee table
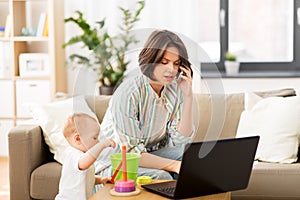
[103,193]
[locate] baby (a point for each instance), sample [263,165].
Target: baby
[78,173]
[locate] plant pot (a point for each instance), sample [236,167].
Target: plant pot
[106,90]
[232,67]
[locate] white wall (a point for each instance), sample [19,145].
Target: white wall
[236,85]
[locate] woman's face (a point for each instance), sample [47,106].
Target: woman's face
[166,70]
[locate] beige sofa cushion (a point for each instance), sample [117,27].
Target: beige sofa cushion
[202,112]
[272,181]
[229,115]
[205,105]
[98,104]
[234,105]
[44,181]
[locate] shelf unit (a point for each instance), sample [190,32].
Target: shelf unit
[15,88]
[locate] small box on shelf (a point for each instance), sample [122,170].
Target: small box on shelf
[34,64]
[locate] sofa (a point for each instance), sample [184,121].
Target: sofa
[34,174]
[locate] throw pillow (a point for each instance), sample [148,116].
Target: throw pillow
[51,117]
[277,121]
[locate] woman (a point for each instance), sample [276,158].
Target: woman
[152,112]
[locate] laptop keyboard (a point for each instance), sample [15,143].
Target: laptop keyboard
[167,187]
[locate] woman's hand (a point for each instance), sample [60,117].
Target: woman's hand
[176,166]
[185,82]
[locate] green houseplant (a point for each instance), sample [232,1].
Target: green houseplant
[107,53]
[231,64]
[230,56]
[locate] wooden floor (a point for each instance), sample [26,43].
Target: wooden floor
[4,180]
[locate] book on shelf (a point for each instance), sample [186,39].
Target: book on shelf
[8,27]
[45,31]
[42,25]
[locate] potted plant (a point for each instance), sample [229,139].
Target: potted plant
[231,64]
[107,53]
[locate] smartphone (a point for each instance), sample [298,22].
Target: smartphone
[180,73]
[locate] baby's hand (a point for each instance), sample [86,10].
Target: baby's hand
[101,180]
[111,143]
[104,180]
[108,143]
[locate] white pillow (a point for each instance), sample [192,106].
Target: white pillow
[52,117]
[277,121]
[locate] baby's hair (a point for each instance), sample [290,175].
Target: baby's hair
[76,123]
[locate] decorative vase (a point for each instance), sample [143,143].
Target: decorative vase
[106,90]
[232,67]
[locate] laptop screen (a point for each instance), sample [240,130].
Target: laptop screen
[211,167]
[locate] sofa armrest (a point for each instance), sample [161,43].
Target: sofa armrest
[27,151]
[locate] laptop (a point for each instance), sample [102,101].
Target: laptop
[211,167]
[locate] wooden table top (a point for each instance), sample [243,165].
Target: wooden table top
[104,193]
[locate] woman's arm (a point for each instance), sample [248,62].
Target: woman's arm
[152,161]
[185,126]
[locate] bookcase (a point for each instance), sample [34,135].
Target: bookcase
[15,87]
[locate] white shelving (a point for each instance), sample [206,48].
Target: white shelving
[15,89]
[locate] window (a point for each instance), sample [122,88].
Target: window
[195,19]
[265,34]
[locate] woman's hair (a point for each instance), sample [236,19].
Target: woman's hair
[154,50]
